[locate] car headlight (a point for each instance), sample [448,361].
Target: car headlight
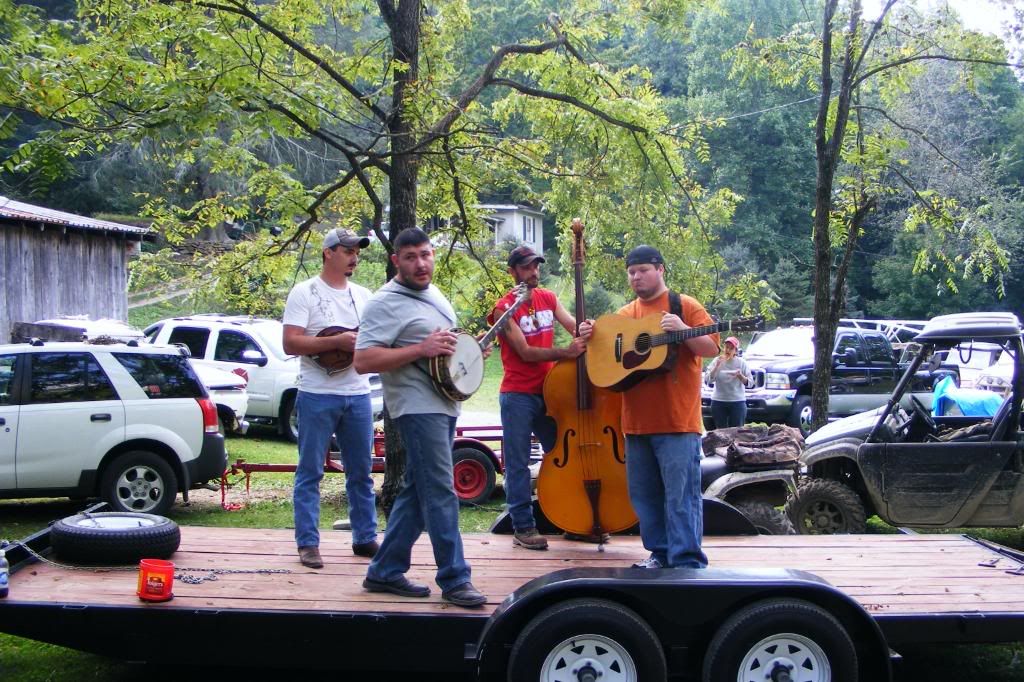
[776,381]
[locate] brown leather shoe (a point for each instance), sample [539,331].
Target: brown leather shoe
[530,539]
[366,549]
[464,595]
[310,557]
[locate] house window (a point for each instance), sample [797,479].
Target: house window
[529,229]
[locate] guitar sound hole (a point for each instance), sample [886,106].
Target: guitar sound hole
[643,344]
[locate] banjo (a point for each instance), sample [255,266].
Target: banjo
[459,375]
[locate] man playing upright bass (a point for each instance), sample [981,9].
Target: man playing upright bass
[527,354]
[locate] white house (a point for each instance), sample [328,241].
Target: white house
[516,222]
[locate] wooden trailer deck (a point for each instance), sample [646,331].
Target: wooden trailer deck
[890,575]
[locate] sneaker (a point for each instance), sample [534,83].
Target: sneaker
[401,586]
[530,539]
[464,595]
[649,562]
[366,549]
[310,557]
[342,524]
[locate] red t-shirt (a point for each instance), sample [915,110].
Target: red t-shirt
[536,319]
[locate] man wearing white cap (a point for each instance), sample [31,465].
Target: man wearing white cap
[331,403]
[730,375]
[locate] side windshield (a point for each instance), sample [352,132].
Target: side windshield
[162,376]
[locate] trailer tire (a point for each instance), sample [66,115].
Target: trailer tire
[766,519]
[786,633]
[613,640]
[114,537]
[822,506]
[474,476]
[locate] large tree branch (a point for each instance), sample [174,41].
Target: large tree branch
[875,28]
[920,133]
[569,99]
[935,57]
[315,59]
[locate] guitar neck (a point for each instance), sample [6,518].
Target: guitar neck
[691,333]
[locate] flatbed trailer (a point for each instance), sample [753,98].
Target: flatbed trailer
[883,590]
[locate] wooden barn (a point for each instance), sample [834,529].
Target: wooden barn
[54,264]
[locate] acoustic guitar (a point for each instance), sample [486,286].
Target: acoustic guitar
[624,350]
[334,360]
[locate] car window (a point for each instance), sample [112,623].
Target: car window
[68,378]
[231,345]
[848,341]
[162,376]
[193,338]
[878,349]
[7,377]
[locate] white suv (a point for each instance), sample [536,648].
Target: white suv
[252,346]
[133,425]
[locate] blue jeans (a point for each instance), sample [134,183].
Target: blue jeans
[663,472]
[427,500]
[348,417]
[728,413]
[522,414]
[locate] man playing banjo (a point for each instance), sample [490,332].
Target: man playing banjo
[406,323]
[331,403]
[527,356]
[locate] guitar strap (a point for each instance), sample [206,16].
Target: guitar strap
[416,363]
[675,306]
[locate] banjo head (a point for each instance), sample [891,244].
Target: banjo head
[466,365]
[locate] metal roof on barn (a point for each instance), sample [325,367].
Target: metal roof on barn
[17,210]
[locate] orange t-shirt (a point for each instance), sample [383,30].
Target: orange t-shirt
[668,402]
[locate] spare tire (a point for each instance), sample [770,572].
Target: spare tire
[114,537]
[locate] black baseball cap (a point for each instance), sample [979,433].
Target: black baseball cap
[644,254]
[523,255]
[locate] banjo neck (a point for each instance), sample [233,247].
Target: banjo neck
[521,293]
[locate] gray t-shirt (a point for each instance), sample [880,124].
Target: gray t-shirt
[396,320]
[729,388]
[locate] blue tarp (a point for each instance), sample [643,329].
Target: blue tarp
[970,402]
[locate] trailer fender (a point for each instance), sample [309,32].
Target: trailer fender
[467,442]
[684,607]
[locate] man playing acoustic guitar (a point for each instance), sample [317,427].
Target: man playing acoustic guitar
[527,355]
[662,422]
[337,403]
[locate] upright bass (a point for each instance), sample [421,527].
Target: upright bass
[581,487]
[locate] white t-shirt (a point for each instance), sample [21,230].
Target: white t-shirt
[314,306]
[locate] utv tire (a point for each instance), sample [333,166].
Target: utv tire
[766,519]
[822,506]
[114,537]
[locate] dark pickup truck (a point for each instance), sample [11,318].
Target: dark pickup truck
[865,370]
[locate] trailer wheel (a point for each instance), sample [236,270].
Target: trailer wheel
[766,519]
[777,639]
[474,475]
[587,639]
[822,506]
[114,537]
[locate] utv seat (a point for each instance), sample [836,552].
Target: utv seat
[991,430]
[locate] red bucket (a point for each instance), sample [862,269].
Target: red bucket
[156,578]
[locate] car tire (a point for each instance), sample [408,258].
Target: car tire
[802,417]
[766,519]
[786,634]
[474,476]
[290,419]
[822,506]
[139,481]
[591,632]
[114,537]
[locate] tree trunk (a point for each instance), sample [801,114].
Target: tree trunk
[404,24]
